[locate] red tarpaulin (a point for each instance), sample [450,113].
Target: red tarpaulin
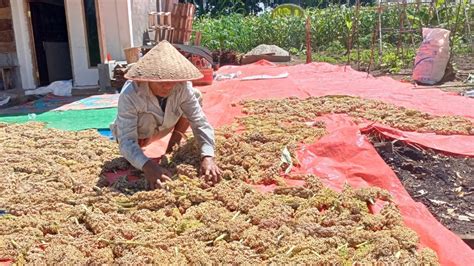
[345,154]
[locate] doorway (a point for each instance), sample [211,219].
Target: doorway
[50,38]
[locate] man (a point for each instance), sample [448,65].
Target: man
[158,99]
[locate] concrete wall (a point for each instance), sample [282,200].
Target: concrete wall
[83,74]
[23,56]
[139,14]
[124,22]
[114,15]
[162,4]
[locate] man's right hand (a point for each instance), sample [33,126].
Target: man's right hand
[155,174]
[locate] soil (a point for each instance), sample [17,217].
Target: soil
[442,183]
[453,81]
[464,64]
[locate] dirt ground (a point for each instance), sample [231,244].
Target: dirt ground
[453,80]
[444,184]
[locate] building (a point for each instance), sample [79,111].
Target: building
[46,40]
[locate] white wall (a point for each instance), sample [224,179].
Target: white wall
[139,19]
[123,23]
[83,74]
[162,4]
[22,41]
[115,16]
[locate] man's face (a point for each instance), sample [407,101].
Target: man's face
[162,89]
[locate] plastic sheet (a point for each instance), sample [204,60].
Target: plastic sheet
[320,79]
[345,155]
[449,144]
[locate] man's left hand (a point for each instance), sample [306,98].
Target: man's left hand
[209,170]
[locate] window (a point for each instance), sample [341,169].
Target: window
[91,32]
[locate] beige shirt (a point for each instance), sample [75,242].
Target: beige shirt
[140,117]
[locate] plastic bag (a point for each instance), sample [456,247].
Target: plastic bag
[58,88]
[432,56]
[4,100]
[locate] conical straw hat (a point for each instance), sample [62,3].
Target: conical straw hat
[163,63]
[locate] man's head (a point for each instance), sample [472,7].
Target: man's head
[162,89]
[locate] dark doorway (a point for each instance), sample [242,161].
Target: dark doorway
[48,20]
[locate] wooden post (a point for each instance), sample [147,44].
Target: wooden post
[468,26]
[410,26]
[101,33]
[357,35]
[454,31]
[400,30]
[151,20]
[372,48]
[355,23]
[309,58]
[420,21]
[197,38]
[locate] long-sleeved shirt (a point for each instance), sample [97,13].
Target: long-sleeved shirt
[141,117]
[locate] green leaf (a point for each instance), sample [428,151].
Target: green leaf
[413,18]
[439,3]
[349,25]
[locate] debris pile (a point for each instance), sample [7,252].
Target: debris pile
[119,76]
[265,49]
[271,53]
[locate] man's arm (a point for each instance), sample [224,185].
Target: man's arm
[204,134]
[202,130]
[127,135]
[127,132]
[178,133]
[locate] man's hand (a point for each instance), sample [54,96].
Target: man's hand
[209,170]
[155,174]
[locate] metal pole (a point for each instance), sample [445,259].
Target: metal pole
[468,26]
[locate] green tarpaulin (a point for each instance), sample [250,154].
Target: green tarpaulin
[68,120]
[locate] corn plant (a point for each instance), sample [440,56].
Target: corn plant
[331,29]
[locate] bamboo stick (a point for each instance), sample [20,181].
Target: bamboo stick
[372,49]
[379,10]
[308,41]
